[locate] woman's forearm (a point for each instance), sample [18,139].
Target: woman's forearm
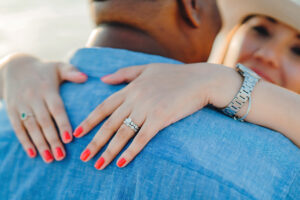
[272,106]
[276,108]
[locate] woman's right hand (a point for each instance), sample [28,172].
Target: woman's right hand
[30,89]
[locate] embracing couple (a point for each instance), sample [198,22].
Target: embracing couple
[176,131]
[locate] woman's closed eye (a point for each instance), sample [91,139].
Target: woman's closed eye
[296,50]
[262,31]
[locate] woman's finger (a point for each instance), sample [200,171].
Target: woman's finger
[36,135]
[110,126]
[147,132]
[59,114]
[124,134]
[21,133]
[103,110]
[68,72]
[44,119]
[124,75]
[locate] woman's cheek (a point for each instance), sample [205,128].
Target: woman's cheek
[248,48]
[292,75]
[241,48]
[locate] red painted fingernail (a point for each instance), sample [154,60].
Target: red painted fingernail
[103,77]
[83,74]
[31,153]
[48,156]
[59,152]
[78,131]
[99,163]
[121,162]
[67,136]
[85,154]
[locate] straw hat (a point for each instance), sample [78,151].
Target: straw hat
[234,11]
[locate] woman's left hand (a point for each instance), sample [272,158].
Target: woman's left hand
[159,95]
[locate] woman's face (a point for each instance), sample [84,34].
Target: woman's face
[269,48]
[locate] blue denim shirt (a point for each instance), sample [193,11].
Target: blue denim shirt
[206,155]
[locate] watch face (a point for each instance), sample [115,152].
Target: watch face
[242,69]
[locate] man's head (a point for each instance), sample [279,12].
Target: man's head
[180,29]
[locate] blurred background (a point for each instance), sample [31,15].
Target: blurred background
[48,29]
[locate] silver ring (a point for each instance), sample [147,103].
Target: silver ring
[128,122]
[25,115]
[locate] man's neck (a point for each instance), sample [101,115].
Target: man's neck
[125,37]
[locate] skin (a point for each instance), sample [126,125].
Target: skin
[270,48]
[38,94]
[171,28]
[145,101]
[151,99]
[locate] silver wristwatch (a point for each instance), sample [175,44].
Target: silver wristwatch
[244,94]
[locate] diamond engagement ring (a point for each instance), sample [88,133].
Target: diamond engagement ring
[25,115]
[128,122]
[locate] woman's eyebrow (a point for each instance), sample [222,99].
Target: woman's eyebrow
[270,19]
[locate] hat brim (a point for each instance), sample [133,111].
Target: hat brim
[234,11]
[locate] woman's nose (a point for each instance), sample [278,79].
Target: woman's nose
[269,54]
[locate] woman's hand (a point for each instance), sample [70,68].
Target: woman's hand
[31,91]
[159,95]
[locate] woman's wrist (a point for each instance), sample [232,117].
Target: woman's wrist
[226,85]
[16,59]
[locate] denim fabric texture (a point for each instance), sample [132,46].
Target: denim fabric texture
[206,155]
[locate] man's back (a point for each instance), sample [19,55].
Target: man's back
[206,155]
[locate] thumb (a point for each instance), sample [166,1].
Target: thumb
[126,75]
[68,72]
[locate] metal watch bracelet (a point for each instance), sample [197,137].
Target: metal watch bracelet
[244,94]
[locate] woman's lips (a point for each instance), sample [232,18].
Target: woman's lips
[263,75]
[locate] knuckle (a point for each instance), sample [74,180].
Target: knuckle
[157,112]
[46,126]
[53,141]
[44,121]
[94,144]
[110,152]
[58,64]
[107,126]
[63,126]
[30,93]
[102,108]
[123,129]
[131,152]
[45,86]
[133,84]
[124,133]
[122,71]
[22,139]
[40,145]
[88,122]
[30,125]
[18,129]
[142,139]
[160,110]
[54,100]
[57,109]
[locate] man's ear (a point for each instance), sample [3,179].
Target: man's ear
[191,9]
